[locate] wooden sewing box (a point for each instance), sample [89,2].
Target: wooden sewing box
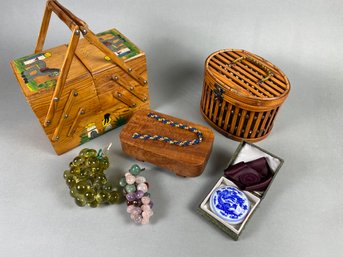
[84,88]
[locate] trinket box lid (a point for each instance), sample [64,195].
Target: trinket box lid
[186,161]
[230,204]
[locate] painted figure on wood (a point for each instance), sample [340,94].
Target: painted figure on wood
[35,69]
[92,131]
[106,122]
[116,44]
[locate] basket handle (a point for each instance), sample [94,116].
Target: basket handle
[53,6]
[258,64]
[62,13]
[77,26]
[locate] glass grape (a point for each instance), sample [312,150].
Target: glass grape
[87,181]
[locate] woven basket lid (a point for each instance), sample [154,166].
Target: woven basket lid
[247,77]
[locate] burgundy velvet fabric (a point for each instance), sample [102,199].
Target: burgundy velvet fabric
[251,176]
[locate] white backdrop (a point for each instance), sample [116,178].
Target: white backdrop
[302,213]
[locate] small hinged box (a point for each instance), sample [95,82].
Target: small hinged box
[160,142]
[245,152]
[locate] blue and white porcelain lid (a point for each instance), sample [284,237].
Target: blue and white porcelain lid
[230,204]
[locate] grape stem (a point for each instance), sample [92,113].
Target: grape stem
[100,154]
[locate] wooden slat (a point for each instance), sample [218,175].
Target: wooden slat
[241,122]
[257,124]
[130,88]
[223,80]
[203,96]
[247,127]
[43,29]
[62,77]
[215,114]
[206,97]
[221,114]
[235,82]
[227,81]
[263,125]
[279,78]
[245,78]
[207,100]
[75,122]
[252,69]
[244,70]
[211,105]
[65,115]
[228,114]
[122,98]
[234,119]
[270,122]
[276,78]
[275,71]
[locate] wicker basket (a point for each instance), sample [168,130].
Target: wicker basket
[242,94]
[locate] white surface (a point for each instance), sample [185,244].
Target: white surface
[249,153]
[303,38]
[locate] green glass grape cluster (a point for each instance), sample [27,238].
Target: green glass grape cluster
[87,181]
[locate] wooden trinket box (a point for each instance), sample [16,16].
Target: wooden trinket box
[245,152]
[242,94]
[159,142]
[81,90]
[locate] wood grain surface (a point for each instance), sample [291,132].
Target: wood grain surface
[187,161]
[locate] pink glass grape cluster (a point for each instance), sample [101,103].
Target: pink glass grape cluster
[135,189]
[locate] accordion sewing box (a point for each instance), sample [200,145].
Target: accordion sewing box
[80,90]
